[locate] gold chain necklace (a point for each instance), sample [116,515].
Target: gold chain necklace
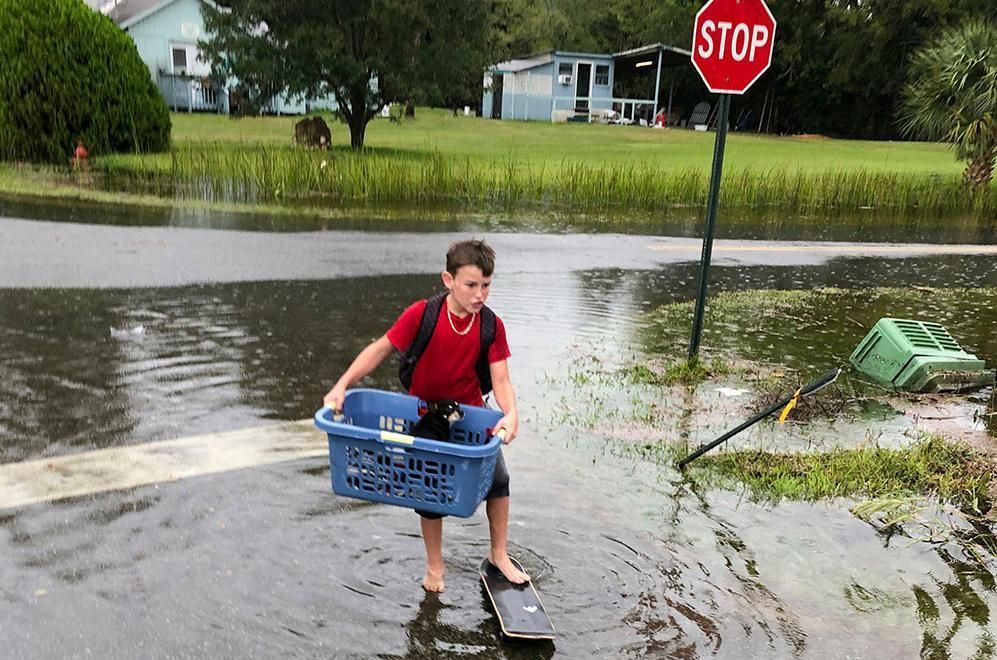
[469,325]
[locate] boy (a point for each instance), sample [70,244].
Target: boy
[447,370]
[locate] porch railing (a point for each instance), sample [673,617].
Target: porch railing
[193,94]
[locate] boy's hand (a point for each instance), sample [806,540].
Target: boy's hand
[509,423]
[334,399]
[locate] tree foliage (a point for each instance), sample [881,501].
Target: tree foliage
[69,73]
[364,52]
[838,65]
[951,95]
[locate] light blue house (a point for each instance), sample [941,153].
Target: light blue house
[563,86]
[166,33]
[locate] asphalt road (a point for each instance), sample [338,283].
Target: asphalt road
[52,254]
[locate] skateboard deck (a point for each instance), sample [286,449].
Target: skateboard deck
[520,613]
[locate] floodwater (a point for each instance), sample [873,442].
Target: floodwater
[631,560]
[866,225]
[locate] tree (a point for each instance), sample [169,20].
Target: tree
[838,65]
[522,27]
[69,73]
[364,52]
[951,95]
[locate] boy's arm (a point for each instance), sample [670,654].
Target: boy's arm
[368,360]
[505,396]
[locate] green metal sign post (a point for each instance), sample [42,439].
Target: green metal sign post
[731,48]
[711,223]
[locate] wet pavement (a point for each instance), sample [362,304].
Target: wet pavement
[117,337]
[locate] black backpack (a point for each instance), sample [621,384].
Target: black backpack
[430,315]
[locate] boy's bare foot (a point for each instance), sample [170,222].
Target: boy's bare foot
[433,582]
[509,570]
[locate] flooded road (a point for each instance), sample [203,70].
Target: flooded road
[122,336]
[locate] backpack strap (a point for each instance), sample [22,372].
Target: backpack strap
[407,360]
[487,337]
[430,315]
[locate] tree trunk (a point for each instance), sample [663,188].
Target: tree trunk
[354,109]
[980,170]
[358,126]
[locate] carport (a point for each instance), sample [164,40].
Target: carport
[637,82]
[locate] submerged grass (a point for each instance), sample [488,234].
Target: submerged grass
[680,372]
[266,173]
[811,330]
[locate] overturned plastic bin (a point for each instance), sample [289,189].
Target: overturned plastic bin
[918,356]
[373,457]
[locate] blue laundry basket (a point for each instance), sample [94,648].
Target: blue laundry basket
[373,457]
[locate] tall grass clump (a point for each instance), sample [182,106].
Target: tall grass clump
[931,466]
[255,173]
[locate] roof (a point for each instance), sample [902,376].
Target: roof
[524,63]
[144,9]
[127,13]
[671,56]
[122,11]
[652,49]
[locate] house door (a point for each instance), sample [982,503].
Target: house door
[583,86]
[497,96]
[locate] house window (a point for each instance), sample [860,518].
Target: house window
[565,69]
[180,60]
[601,74]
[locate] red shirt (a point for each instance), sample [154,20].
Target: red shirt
[446,369]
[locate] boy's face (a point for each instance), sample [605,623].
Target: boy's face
[469,288]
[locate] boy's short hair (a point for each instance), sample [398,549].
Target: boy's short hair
[471,253]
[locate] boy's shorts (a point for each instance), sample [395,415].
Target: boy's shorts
[500,487]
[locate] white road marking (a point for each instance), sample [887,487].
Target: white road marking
[844,248]
[46,480]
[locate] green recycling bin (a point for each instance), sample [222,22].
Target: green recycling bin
[918,356]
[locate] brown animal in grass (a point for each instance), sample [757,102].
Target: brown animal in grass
[313,132]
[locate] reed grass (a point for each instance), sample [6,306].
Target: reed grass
[930,467]
[265,173]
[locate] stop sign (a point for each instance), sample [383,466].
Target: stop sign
[732,44]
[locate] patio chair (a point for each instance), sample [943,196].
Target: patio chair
[700,114]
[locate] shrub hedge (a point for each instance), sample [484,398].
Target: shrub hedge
[68,73]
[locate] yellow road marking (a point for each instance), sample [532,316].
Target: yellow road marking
[50,479]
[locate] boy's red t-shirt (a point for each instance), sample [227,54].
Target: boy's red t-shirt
[446,369]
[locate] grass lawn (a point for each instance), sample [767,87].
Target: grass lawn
[536,143]
[438,160]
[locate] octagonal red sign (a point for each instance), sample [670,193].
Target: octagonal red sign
[732,44]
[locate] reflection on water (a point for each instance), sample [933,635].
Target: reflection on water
[88,369]
[629,560]
[430,636]
[866,226]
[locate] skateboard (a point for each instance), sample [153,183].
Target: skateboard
[520,613]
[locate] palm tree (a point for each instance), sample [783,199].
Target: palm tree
[951,95]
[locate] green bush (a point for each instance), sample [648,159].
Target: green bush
[68,73]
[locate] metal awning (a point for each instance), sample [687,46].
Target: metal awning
[670,55]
